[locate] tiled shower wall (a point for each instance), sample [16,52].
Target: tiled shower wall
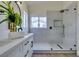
[48,35]
[69,20]
[55,35]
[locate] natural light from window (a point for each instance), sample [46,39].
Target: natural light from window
[38,22]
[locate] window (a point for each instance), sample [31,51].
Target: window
[38,22]
[34,22]
[43,22]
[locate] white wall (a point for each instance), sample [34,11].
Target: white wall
[41,8]
[77,28]
[69,20]
[66,4]
[3,28]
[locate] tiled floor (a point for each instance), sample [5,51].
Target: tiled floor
[45,46]
[54,55]
[48,46]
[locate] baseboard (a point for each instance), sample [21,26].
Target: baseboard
[54,51]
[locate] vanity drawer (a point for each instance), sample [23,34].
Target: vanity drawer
[25,47]
[30,53]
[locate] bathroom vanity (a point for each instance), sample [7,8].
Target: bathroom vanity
[18,47]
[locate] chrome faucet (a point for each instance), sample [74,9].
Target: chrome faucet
[20,29]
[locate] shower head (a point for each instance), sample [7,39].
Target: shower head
[61,11]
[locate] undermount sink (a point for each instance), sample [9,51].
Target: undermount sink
[16,35]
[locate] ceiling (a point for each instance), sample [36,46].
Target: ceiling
[32,3]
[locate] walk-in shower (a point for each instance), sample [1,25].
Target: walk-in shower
[60,33]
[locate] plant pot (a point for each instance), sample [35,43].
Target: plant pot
[12,27]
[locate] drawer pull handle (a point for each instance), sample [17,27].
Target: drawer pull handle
[31,43]
[26,54]
[26,43]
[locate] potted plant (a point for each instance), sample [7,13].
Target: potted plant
[13,18]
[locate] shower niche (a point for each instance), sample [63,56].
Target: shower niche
[58,23]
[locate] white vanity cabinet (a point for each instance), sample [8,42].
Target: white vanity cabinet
[20,50]
[23,49]
[27,47]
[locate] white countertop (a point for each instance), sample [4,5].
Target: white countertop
[6,45]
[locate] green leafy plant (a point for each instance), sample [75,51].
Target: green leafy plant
[11,15]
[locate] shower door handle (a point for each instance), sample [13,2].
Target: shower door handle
[63,30]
